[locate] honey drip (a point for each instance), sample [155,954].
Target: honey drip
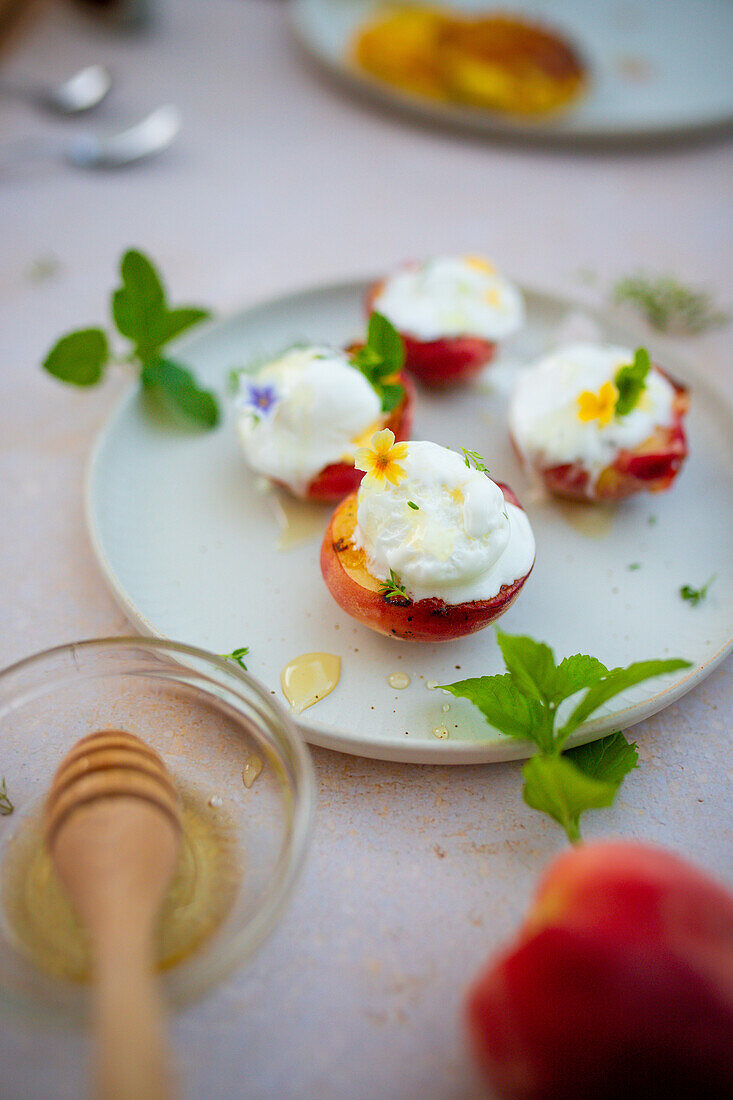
[309,678]
[42,923]
[299,521]
[592,520]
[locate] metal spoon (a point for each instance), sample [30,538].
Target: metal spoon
[151,135]
[81,92]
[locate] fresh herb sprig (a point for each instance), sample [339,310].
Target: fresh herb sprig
[668,305]
[473,458]
[238,655]
[524,703]
[630,381]
[6,806]
[393,589]
[695,595]
[380,359]
[142,315]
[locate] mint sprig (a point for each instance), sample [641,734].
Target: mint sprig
[630,381]
[381,358]
[524,703]
[141,314]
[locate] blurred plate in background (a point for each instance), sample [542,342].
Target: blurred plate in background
[658,68]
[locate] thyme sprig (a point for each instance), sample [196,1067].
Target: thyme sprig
[6,806]
[393,589]
[668,305]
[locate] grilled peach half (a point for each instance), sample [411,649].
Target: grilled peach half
[444,362]
[650,467]
[359,593]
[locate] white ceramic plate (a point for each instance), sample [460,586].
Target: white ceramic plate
[658,67]
[188,544]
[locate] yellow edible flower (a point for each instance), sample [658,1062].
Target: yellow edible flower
[380,462]
[598,406]
[480,264]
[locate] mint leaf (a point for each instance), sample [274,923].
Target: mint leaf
[616,681]
[176,391]
[630,381]
[531,664]
[79,358]
[391,396]
[176,321]
[140,310]
[573,674]
[382,357]
[139,304]
[384,339]
[610,759]
[554,785]
[505,707]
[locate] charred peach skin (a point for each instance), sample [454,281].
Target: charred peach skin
[620,984]
[336,481]
[443,362]
[357,592]
[650,467]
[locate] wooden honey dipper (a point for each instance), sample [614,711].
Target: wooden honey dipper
[113,827]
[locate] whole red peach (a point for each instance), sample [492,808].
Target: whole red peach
[619,984]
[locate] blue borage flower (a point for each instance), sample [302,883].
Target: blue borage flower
[259,400]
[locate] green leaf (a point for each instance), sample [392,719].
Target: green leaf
[176,391]
[176,321]
[695,595]
[554,785]
[475,460]
[384,339]
[139,304]
[393,590]
[238,655]
[79,358]
[392,395]
[617,680]
[140,310]
[505,706]
[610,759]
[630,382]
[6,806]
[530,663]
[573,674]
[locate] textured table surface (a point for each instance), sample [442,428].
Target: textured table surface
[280,180]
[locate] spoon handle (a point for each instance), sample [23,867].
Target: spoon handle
[132,1060]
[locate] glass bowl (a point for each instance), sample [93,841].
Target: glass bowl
[208,720]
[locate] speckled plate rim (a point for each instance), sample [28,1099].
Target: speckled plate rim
[562,130]
[497,748]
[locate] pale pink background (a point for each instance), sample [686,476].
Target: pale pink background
[279,180]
